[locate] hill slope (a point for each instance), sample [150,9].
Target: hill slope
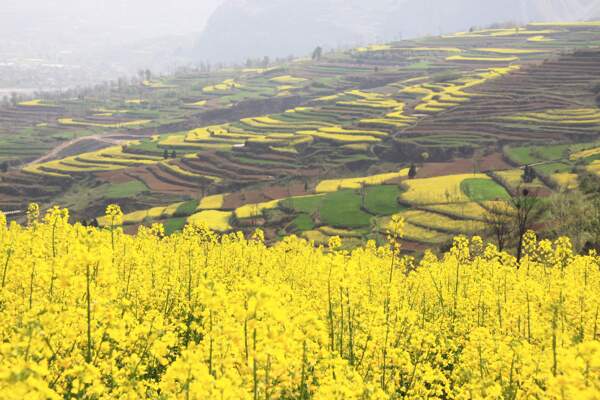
[288,148]
[255,28]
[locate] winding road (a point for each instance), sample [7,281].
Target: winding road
[55,151]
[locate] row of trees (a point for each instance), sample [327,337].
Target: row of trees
[167,155]
[574,213]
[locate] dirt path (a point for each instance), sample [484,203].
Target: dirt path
[9,213]
[55,151]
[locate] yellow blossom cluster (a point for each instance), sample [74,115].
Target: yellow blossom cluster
[96,314]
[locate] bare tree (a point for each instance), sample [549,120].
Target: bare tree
[570,214]
[14,99]
[592,225]
[509,220]
[499,224]
[527,209]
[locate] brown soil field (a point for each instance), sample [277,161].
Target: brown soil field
[120,176]
[269,193]
[148,175]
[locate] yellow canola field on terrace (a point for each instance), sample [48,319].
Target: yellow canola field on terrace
[395,116]
[257,70]
[138,217]
[440,96]
[563,116]
[511,51]
[287,79]
[413,232]
[442,223]
[94,313]
[585,153]
[342,138]
[566,180]
[333,185]
[431,49]
[199,103]
[488,59]
[345,131]
[594,167]
[158,85]
[374,48]
[213,202]
[470,210]
[370,100]
[503,32]
[580,24]
[298,109]
[225,86]
[180,141]
[283,88]
[109,159]
[127,124]
[512,177]
[255,210]
[188,175]
[328,98]
[213,219]
[438,190]
[217,134]
[275,124]
[540,38]
[34,103]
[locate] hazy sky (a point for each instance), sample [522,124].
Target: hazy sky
[130,19]
[49,44]
[65,43]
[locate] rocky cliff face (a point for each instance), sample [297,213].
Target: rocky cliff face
[254,28]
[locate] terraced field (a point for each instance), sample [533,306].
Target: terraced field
[320,148]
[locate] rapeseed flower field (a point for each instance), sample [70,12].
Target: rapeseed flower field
[93,313]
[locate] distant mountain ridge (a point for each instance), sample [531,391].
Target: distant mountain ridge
[241,29]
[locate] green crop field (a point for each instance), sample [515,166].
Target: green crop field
[534,154]
[173,225]
[342,210]
[551,168]
[483,190]
[124,190]
[303,222]
[382,200]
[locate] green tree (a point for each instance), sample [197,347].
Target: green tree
[592,224]
[412,171]
[528,174]
[317,53]
[498,224]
